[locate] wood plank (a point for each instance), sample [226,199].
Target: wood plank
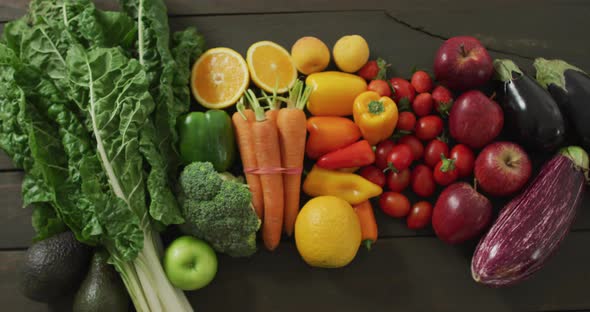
[5,162]
[531,37]
[15,225]
[409,274]
[550,29]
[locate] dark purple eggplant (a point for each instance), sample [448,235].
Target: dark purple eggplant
[570,87]
[531,115]
[531,226]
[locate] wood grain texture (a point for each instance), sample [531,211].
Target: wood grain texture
[548,28]
[15,224]
[412,274]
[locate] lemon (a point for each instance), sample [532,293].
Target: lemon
[219,78]
[327,232]
[271,66]
[351,53]
[310,55]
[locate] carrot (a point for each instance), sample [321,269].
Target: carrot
[268,156]
[243,120]
[292,125]
[364,211]
[274,106]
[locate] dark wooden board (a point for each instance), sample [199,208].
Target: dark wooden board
[406,273]
[411,274]
[15,224]
[554,29]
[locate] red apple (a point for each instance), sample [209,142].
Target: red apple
[460,213]
[502,168]
[463,63]
[475,120]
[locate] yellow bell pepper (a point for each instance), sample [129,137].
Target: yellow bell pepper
[349,186]
[375,115]
[333,93]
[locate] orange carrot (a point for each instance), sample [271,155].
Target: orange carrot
[292,125]
[364,211]
[268,156]
[245,139]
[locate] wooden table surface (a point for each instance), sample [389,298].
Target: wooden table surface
[406,270]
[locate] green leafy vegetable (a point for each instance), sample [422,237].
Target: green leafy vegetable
[95,129]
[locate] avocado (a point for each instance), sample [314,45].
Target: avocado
[54,267]
[102,289]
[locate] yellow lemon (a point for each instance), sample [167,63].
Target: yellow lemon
[351,53]
[310,55]
[271,66]
[219,78]
[327,232]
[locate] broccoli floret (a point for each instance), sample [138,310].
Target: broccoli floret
[200,181]
[226,220]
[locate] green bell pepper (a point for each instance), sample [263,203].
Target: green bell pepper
[207,136]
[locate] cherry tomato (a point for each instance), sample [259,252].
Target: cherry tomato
[400,157]
[429,127]
[414,144]
[423,104]
[381,152]
[402,89]
[420,215]
[421,81]
[394,204]
[379,86]
[433,150]
[398,181]
[373,174]
[445,172]
[406,121]
[422,181]
[464,159]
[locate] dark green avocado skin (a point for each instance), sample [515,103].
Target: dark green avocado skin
[54,267]
[102,289]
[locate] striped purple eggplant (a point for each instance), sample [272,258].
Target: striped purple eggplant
[530,228]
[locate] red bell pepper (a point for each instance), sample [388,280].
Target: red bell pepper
[355,155]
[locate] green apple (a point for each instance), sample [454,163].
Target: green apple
[190,263]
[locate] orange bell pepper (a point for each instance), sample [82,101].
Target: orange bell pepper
[327,134]
[349,186]
[375,115]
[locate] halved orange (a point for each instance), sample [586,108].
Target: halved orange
[219,78]
[271,66]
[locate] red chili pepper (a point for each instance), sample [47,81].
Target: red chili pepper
[355,155]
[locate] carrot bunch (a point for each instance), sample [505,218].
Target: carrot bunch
[272,147]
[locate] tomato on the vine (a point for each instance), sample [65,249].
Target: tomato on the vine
[381,152]
[414,144]
[394,204]
[429,127]
[398,181]
[400,157]
[373,174]
[422,181]
[433,151]
[445,171]
[420,215]
[464,159]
